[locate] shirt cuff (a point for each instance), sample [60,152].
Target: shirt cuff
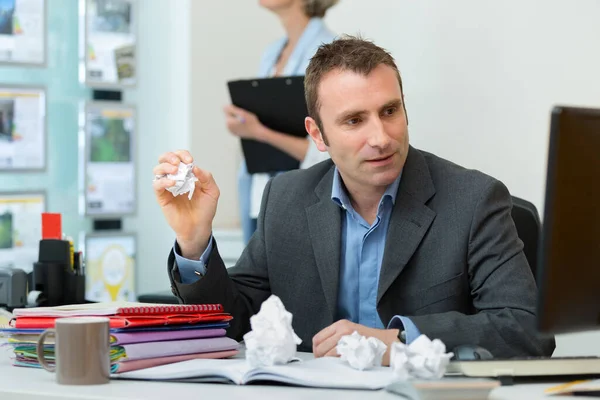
[192,270]
[406,325]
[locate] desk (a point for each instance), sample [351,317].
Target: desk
[18,383]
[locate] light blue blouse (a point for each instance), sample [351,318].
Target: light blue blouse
[315,34]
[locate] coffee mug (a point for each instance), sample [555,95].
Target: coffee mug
[81,350]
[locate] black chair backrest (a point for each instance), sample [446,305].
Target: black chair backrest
[527,221]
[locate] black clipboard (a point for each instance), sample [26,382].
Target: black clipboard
[280,105]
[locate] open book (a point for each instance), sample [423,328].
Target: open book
[326,372]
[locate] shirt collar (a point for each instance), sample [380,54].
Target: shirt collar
[340,196]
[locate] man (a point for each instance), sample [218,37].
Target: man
[383,239]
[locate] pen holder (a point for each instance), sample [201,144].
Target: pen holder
[48,278]
[74,286]
[57,274]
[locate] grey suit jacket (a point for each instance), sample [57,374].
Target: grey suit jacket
[453,262]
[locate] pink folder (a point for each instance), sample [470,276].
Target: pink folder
[140,351]
[121,338]
[125,366]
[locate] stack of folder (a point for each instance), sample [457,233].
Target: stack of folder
[141,335]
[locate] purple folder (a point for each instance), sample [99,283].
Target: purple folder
[140,351]
[121,338]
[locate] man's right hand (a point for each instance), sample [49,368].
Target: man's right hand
[190,219]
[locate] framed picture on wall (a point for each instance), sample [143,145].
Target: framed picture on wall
[109,51]
[20,228]
[109,171]
[110,264]
[23,32]
[22,128]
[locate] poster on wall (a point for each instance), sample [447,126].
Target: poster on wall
[109,160]
[20,228]
[110,267]
[23,32]
[22,128]
[110,43]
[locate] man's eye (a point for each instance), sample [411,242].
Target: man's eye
[353,121]
[390,111]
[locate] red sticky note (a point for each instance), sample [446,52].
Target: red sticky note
[51,226]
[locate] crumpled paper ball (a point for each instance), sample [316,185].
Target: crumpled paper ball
[272,339]
[422,359]
[361,352]
[185,180]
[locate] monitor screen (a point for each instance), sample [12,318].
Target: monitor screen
[569,261]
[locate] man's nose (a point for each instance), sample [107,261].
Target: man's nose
[378,136]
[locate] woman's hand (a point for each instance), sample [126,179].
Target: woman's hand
[244,124]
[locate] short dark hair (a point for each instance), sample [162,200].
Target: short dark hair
[348,53]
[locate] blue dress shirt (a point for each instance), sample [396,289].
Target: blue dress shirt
[362,255]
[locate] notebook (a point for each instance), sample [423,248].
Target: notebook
[11,331]
[117,338]
[124,366]
[133,365]
[326,372]
[461,388]
[141,351]
[132,321]
[121,308]
[130,357]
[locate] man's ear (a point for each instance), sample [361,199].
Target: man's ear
[315,133]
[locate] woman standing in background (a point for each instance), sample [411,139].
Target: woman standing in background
[289,56]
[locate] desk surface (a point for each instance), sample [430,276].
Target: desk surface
[29,384]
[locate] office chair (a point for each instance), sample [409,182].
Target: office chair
[527,222]
[164,297]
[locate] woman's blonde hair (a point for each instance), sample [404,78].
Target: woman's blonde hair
[318,8]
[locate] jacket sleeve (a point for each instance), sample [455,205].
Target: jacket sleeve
[503,289]
[241,289]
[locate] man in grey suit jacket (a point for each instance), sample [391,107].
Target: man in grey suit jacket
[384,239]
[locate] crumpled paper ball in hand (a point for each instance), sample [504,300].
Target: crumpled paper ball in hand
[422,359]
[361,352]
[272,339]
[185,180]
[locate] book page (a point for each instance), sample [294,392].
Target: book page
[198,369]
[326,372]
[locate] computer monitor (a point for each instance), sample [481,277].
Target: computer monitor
[569,258]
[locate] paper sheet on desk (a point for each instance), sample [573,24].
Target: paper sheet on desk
[325,372]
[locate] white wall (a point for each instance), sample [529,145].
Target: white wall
[481,77]
[227,41]
[188,49]
[162,100]
[480,80]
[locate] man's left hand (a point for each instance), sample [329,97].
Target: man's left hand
[325,342]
